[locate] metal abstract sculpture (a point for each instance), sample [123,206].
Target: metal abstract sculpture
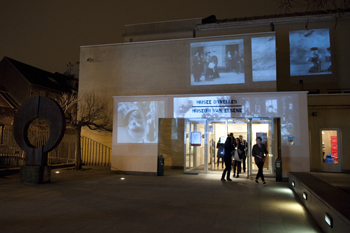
[47,109]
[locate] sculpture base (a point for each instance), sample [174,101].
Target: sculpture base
[35,174]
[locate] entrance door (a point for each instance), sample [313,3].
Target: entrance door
[202,136]
[217,132]
[262,127]
[331,153]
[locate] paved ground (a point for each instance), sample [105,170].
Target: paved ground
[95,200]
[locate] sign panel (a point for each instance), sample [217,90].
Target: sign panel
[196,139]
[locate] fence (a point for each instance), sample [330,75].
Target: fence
[93,153]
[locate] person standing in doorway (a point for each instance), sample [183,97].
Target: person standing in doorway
[238,156]
[245,151]
[259,152]
[229,147]
[220,154]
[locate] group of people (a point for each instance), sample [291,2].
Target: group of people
[236,149]
[207,65]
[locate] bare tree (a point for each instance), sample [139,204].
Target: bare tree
[88,110]
[336,7]
[313,5]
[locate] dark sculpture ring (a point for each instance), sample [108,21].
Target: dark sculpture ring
[47,109]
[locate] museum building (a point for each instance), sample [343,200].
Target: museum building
[178,87]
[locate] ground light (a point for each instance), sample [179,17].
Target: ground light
[305,195]
[122,178]
[57,171]
[328,219]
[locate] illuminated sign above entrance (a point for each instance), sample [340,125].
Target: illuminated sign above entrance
[222,106]
[216,106]
[242,106]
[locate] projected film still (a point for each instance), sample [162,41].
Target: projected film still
[138,121]
[215,107]
[310,52]
[264,58]
[217,62]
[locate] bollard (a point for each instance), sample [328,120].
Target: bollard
[278,169]
[160,170]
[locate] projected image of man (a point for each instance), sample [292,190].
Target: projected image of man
[310,52]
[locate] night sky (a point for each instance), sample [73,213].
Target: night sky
[48,33]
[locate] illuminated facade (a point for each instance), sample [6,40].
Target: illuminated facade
[250,78]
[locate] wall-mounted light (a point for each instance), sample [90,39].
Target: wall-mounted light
[328,219]
[293,183]
[90,59]
[305,195]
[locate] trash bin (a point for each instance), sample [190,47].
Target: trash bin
[160,170]
[278,169]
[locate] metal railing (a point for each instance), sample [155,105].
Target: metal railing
[92,152]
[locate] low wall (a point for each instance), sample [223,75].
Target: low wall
[322,199]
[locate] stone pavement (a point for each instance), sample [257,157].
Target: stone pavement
[96,200]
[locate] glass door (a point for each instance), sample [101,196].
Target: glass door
[217,132]
[331,154]
[262,127]
[196,146]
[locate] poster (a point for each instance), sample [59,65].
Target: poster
[196,138]
[334,148]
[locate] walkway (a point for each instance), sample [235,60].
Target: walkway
[95,200]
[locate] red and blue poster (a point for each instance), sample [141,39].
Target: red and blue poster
[334,148]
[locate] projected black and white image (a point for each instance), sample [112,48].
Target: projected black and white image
[310,52]
[264,58]
[217,62]
[138,121]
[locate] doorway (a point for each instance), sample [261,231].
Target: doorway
[205,136]
[331,153]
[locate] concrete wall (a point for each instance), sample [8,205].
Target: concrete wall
[332,112]
[163,68]
[147,68]
[339,32]
[171,148]
[140,155]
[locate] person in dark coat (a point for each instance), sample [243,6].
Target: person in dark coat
[245,151]
[229,147]
[220,155]
[196,67]
[238,157]
[259,152]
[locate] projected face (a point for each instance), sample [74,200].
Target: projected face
[136,125]
[310,52]
[138,121]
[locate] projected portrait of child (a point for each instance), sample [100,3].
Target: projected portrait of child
[138,121]
[135,123]
[302,43]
